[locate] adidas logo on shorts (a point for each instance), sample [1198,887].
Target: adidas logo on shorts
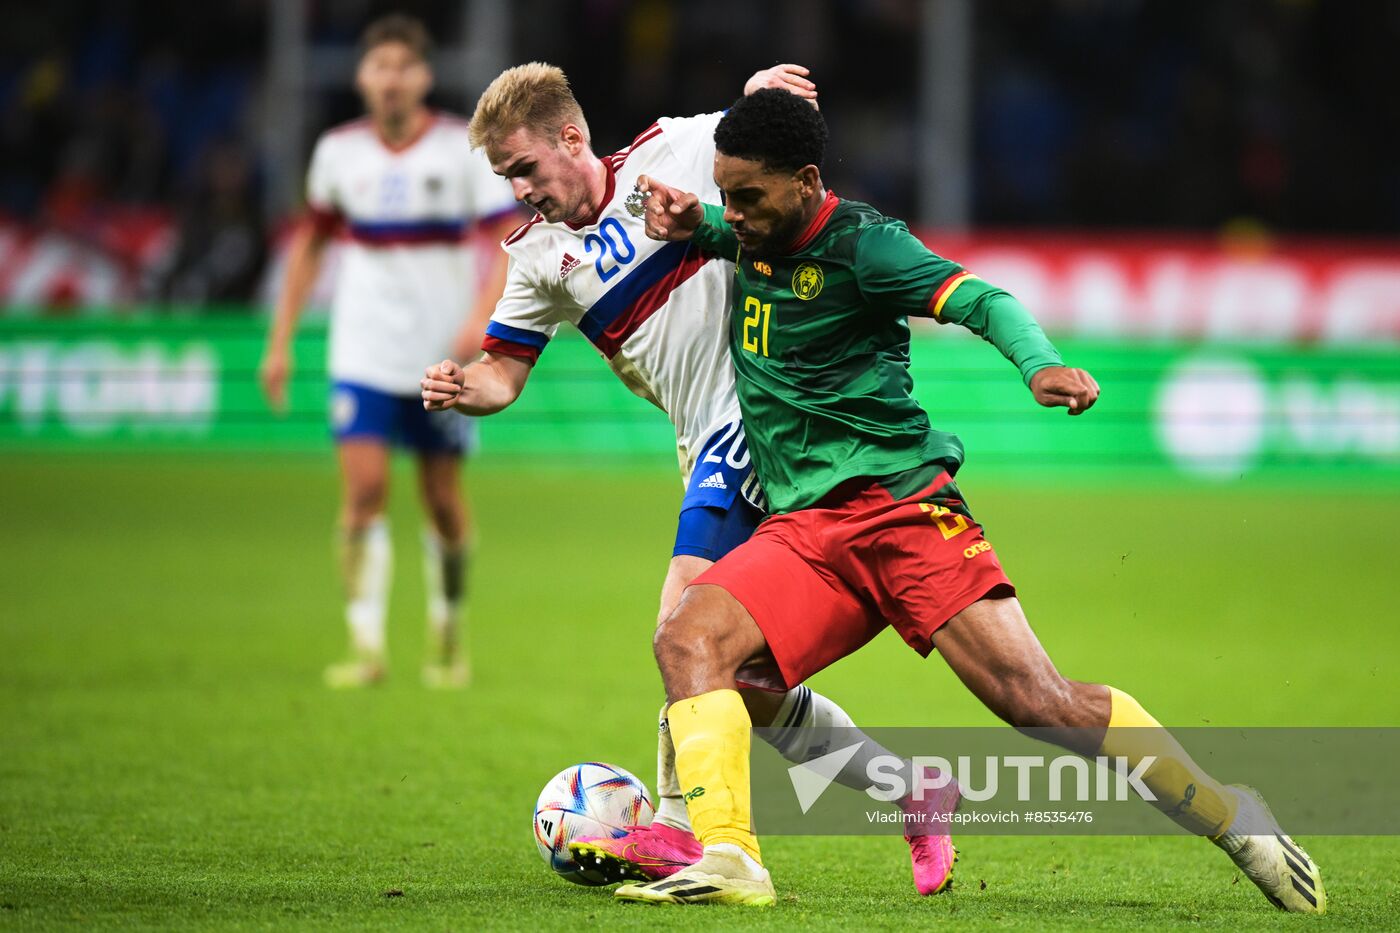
[714,481]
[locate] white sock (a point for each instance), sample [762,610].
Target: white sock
[368,563]
[1249,821]
[670,805]
[730,849]
[805,729]
[444,578]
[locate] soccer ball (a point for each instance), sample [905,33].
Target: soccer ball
[589,799]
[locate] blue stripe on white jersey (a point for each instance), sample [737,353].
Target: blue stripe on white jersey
[530,338]
[635,283]
[397,229]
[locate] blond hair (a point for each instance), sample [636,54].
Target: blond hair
[536,96]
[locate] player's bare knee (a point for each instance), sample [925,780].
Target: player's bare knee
[447,517]
[365,498]
[689,635]
[674,643]
[369,497]
[688,664]
[697,637]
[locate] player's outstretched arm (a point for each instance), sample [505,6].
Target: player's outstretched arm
[672,214]
[787,77]
[481,388]
[1004,322]
[1063,387]
[898,272]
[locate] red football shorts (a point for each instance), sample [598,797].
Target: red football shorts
[821,582]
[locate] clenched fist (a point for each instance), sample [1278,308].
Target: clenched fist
[441,385]
[1060,386]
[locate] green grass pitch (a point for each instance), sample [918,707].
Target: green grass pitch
[169,759]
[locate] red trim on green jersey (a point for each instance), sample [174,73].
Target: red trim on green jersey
[818,222]
[935,304]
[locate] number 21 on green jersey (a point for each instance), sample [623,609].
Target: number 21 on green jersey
[756,316]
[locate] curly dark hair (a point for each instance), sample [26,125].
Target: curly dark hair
[774,127]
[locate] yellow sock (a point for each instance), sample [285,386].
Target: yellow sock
[711,735]
[1184,792]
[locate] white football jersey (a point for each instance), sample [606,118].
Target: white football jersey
[407,278]
[657,312]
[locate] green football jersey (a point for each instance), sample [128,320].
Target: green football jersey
[820,343]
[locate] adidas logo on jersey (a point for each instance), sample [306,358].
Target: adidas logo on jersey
[714,481]
[568,265]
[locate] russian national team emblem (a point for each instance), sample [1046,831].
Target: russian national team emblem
[807,281]
[636,202]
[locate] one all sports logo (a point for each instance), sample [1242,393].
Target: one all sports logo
[981,547]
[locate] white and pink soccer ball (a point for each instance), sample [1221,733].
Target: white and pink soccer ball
[589,799]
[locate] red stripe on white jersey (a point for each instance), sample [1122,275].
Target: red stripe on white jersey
[647,135]
[515,235]
[325,221]
[521,351]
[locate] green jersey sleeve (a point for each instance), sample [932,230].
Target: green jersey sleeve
[998,318]
[714,235]
[897,272]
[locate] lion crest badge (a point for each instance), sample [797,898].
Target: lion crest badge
[807,281]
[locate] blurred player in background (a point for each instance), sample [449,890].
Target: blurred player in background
[870,531]
[657,313]
[405,185]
